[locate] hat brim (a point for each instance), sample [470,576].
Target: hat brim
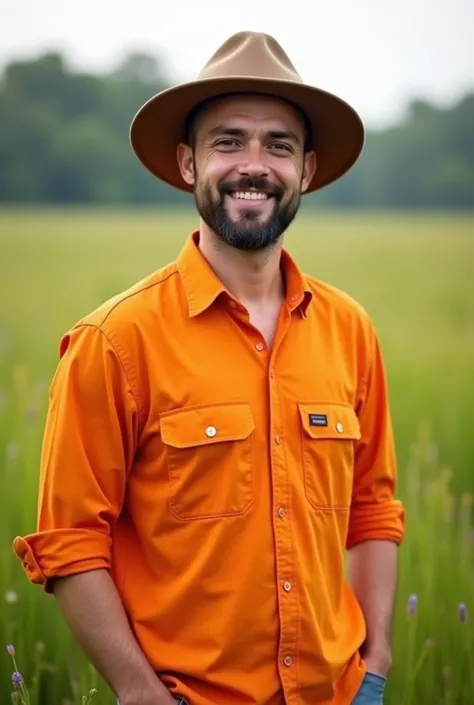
[157,128]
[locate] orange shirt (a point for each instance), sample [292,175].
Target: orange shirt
[221,482]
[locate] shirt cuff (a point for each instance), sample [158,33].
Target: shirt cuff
[384,521]
[61,552]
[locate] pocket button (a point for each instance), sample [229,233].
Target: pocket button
[211,431]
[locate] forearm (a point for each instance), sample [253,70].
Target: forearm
[373,568]
[96,617]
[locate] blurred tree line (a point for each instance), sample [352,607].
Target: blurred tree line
[64,140]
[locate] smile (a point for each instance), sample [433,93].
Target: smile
[250,195]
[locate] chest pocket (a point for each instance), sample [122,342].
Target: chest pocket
[209,451]
[328,435]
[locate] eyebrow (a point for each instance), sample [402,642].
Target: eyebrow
[239,132]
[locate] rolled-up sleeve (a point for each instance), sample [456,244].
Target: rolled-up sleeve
[88,447]
[376,513]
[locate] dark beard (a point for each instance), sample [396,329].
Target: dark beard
[246,233]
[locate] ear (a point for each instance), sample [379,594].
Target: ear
[309,168]
[186,163]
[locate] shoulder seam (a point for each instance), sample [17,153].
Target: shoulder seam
[127,370]
[130,295]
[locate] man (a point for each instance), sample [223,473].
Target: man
[219,434]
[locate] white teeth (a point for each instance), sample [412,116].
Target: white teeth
[250,195]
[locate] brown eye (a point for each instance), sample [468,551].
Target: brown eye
[280,146]
[226,143]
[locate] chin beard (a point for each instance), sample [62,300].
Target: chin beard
[247,233]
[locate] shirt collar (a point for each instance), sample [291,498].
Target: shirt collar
[298,292]
[202,287]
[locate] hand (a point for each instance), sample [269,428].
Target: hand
[167,699]
[378,660]
[137,700]
[157,695]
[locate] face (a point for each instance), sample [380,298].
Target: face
[248,169]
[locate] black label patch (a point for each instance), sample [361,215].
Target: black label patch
[318,420]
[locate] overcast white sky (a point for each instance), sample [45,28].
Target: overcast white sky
[374,53]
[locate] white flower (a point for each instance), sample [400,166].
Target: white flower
[11,597]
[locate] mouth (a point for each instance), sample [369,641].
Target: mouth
[250,195]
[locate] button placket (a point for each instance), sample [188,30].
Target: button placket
[287,595]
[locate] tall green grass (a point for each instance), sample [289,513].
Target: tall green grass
[414,276]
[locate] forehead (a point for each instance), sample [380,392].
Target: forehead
[252,110]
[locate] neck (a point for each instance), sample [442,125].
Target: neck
[253,277]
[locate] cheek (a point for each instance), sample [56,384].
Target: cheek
[217,163]
[211,173]
[289,172]
[207,186]
[291,181]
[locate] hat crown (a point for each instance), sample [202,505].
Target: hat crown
[250,54]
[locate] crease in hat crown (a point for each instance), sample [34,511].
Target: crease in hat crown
[246,62]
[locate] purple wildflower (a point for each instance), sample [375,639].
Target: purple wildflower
[17,679]
[11,649]
[462,612]
[412,605]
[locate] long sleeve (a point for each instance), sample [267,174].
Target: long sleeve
[375,512]
[88,447]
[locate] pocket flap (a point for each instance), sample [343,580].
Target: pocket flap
[196,426]
[329,420]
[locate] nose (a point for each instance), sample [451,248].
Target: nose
[253,162]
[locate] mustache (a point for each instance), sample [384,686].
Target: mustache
[247,183]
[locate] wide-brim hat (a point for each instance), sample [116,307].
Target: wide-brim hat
[247,62]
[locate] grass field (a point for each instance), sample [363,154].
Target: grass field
[413,273]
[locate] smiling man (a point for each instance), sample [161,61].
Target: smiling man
[218,438]
[249,202]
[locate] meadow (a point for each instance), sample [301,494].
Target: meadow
[414,275]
